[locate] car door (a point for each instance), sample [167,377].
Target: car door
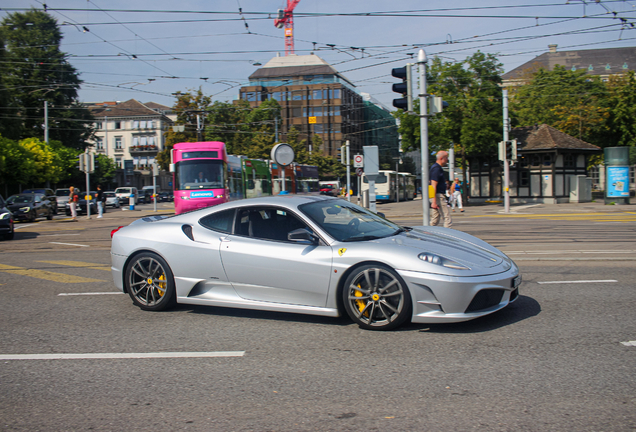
[263,265]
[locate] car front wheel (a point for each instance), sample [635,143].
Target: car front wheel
[150,283]
[376,298]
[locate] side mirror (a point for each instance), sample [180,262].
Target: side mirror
[302,235]
[381,215]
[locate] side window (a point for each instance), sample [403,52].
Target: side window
[267,223]
[219,221]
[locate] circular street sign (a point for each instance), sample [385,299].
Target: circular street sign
[359,172]
[283,154]
[357,158]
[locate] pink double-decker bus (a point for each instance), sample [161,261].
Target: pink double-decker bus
[199,175]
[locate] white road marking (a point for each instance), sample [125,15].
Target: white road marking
[92,356]
[562,252]
[630,343]
[581,281]
[90,293]
[58,235]
[70,244]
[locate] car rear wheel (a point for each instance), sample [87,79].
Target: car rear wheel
[376,298]
[150,283]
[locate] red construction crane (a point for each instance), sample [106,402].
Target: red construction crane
[286,19]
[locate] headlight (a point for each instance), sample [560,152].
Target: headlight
[5,216]
[438,260]
[184,197]
[25,209]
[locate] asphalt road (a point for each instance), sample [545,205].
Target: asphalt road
[554,360]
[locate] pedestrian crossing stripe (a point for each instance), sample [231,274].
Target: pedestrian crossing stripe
[600,217]
[46,275]
[92,266]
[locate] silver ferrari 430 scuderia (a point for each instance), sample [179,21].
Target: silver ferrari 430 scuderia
[313,255]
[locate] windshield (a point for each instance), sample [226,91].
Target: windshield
[348,222]
[199,174]
[19,199]
[122,190]
[62,192]
[109,194]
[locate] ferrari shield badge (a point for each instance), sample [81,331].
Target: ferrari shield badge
[341,251]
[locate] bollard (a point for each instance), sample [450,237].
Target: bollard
[131,201]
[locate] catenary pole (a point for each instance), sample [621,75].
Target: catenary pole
[421,61]
[506,129]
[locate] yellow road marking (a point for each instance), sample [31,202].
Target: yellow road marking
[91,266]
[46,275]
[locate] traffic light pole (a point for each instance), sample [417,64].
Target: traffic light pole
[506,129]
[421,60]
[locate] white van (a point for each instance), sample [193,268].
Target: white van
[123,194]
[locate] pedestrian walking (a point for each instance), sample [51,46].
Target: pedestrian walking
[439,205]
[73,199]
[457,195]
[100,201]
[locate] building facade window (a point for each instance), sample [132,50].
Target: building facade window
[142,124]
[117,125]
[569,161]
[118,163]
[99,143]
[135,124]
[118,143]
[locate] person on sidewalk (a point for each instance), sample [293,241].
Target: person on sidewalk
[73,199]
[456,190]
[100,201]
[439,205]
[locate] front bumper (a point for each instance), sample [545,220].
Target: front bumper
[449,299]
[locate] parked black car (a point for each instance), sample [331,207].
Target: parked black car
[165,197]
[29,206]
[6,221]
[81,204]
[49,195]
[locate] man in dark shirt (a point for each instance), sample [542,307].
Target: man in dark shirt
[438,181]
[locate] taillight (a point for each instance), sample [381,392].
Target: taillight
[112,233]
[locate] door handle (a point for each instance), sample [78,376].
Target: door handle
[225,239]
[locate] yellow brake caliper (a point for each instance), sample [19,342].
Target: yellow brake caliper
[161,286]
[360,303]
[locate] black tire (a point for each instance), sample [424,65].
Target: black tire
[9,236]
[141,281]
[377,298]
[50,215]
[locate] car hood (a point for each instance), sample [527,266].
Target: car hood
[14,207]
[402,252]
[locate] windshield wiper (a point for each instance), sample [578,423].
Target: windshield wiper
[361,237]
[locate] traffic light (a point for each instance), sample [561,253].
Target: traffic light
[511,150]
[436,104]
[404,88]
[343,154]
[508,150]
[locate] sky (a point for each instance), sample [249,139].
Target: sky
[150,49]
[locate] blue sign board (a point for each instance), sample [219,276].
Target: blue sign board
[618,181]
[202,194]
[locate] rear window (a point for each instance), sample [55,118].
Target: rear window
[62,192]
[122,190]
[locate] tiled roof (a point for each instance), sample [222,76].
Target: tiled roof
[605,61]
[130,108]
[546,137]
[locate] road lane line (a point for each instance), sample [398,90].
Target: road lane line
[109,356]
[630,343]
[90,293]
[46,275]
[58,235]
[581,281]
[70,244]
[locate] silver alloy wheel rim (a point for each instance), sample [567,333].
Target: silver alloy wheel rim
[146,283]
[376,297]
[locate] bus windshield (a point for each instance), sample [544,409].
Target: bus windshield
[199,174]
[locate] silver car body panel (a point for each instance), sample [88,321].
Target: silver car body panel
[220,269]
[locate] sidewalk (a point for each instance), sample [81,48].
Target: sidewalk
[414,208]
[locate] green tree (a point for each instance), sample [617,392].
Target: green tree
[15,165]
[45,163]
[622,110]
[35,70]
[105,170]
[187,107]
[570,101]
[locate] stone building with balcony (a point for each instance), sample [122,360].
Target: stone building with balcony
[315,99]
[131,131]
